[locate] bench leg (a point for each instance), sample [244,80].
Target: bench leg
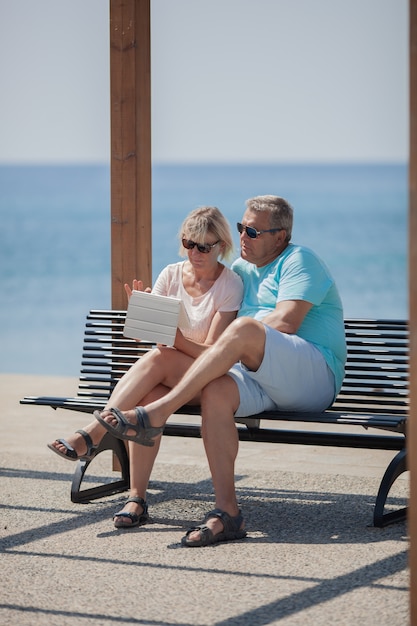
[397,466]
[108,489]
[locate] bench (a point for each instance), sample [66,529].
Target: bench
[374,396]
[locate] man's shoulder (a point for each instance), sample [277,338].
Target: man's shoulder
[296,251]
[240,264]
[304,259]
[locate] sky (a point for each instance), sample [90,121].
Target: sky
[232,81]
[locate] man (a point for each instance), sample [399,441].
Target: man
[286,350]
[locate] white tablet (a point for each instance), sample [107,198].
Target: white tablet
[154,318]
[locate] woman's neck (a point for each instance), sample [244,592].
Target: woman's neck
[198,281]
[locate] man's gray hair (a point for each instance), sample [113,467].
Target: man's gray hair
[280,211]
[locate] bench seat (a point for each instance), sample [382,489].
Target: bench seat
[374,396]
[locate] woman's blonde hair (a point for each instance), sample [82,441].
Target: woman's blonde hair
[204,220]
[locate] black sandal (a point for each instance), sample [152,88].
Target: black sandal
[70,453]
[136,520]
[231,530]
[145,432]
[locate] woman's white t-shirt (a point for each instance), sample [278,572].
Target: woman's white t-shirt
[224,295]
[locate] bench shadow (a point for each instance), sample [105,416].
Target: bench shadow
[279,515]
[272,515]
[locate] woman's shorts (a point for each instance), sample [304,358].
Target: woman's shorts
[293,376]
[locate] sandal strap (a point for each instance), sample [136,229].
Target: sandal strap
[206,535]
[132,516]
[231,530]
[122,421]
[70,452]
[144,430]
[139,500]
[230,524]
[88,442]
[135,517]
[145,433]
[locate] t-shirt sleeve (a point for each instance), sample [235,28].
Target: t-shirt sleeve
[163,281]
[304,277]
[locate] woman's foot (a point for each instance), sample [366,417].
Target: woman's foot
[78,447]
[134,513]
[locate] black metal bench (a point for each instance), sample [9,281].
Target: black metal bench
[374,396]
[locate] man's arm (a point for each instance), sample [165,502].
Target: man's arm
[288,315]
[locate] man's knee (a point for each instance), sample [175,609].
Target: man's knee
[210,397]
[219,398]
[243,330]
[247,340]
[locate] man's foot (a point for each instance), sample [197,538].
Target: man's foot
[118,424]
[78,447]
[214,524]
[108,415]
[134,513]
[217,526]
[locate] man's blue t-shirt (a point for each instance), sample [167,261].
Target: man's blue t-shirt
[299,274]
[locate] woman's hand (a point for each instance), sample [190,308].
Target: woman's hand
[179,340]
[137,285]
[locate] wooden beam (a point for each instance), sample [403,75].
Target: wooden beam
[130,106]
[412,255]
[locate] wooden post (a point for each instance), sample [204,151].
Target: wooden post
[130,106]
[412,248]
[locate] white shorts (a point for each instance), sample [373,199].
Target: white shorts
[293,376]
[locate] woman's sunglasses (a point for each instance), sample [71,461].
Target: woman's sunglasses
[204,248]
[252,232]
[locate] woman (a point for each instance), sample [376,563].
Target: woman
[211,294]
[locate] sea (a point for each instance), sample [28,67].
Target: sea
[55,241]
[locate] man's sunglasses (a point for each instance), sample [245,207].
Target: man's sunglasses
[252,232]
[205,248]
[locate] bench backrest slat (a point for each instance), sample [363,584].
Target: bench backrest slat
[376,378]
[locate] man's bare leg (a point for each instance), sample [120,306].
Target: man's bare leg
[219,401]
[243,340]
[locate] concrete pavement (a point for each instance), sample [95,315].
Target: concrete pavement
[310,556]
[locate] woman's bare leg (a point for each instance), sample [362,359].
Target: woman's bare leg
[141,462]
[142,459]
[159,366]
